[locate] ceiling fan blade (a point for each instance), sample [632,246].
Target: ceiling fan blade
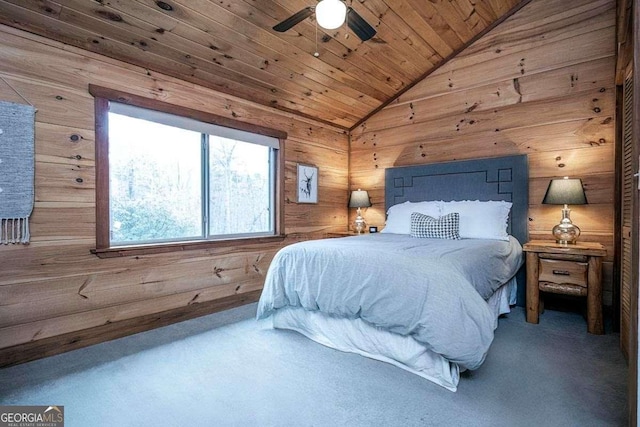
[294,19]
[359,26]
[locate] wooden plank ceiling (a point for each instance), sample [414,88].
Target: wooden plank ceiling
[229,45]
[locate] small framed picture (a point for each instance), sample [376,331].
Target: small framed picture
[307,183]
[373,229]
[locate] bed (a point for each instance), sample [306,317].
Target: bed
[409,296]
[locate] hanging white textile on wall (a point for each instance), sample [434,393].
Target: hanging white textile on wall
[17,136]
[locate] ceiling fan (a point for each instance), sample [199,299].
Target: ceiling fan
[330,14]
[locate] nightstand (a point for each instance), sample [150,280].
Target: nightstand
[569,270]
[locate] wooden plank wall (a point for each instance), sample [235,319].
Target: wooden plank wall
[542,84]
[54,285]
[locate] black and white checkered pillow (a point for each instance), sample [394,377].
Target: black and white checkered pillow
[427,227]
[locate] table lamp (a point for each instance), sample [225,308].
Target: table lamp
[565,192]
[359,199]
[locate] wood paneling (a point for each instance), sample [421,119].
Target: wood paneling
[230,46]
[55,287]
[542,84]
[37,349]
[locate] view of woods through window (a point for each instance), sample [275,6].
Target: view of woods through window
[172,184]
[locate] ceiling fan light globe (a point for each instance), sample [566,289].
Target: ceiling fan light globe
[331,14]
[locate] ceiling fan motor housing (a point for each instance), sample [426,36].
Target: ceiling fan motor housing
[331,14]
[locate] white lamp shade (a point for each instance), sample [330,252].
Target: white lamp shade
[331,14]
[359,199]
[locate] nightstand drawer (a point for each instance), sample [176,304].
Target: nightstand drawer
[558,271]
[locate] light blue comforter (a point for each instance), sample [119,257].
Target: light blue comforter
[431,289]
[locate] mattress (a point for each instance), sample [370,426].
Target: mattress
[374,294]
[357,336]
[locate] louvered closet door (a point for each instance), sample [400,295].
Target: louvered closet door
[629,272]
[627,182]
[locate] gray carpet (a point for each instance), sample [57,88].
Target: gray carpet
[228,370]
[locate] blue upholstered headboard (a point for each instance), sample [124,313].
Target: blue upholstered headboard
[500,178]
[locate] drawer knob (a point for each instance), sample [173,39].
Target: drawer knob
[561,273]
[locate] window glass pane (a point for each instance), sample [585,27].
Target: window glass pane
[155,181]
[240,192]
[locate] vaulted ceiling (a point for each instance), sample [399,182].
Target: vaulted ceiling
[229,45]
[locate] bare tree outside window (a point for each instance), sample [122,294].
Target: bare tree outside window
[239,183]
[155,181]
[173,184]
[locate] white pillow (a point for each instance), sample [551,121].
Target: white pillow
[481,220]
[399,216]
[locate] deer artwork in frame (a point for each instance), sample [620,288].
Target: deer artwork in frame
[307,182]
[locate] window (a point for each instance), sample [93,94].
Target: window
[173,177]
